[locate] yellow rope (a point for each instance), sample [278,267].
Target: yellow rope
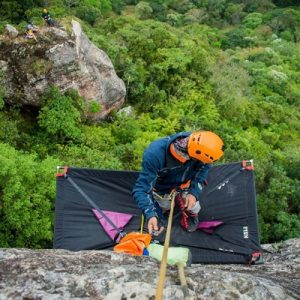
[163,265]
[142,223]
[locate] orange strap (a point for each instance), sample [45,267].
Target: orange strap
[185,185]
[177,155]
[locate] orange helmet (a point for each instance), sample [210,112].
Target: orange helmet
[205,146]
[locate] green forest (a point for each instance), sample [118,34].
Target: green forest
[232,67]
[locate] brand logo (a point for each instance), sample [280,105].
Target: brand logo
[245,232]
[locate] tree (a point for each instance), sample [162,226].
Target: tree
[117,6]
[234,13]
[287,20]
[257,5]
[253,20]
[60,116]
[237,38]
[143,10]
[286,3]
[232,89]
[181,6]
[15,11]
[174,19]
[10,10]
[27,193]
[2,94]
[88,13]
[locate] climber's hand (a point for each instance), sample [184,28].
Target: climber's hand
[152,225]
[190,201]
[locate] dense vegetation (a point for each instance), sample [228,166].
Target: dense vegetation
[222,65]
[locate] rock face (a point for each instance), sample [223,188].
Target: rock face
[64,59]
[59,274]
[11,30]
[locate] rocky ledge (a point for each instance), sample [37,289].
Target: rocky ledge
[60,274]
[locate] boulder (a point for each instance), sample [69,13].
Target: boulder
[126,111]
[66,59]
[11,30]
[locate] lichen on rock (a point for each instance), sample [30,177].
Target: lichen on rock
[61,274]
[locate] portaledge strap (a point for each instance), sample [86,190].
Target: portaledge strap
[94,205]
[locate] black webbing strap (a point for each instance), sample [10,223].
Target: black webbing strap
[94,205]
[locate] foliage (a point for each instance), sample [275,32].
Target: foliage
[153,58]
[94,107]
[60,116]
[9,133]
[284,3]
[118,6]
[234,13]
[88,13]
[284,21]
[253,20]
[14,10]
[231,83]
[86,157]
[237,37]
[143,10]
[27,199]
[40,67]
[2,93]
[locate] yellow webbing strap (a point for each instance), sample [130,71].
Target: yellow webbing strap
[142,224]
[163,264]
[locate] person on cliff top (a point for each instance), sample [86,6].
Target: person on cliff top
[47,18]
[30,31]
[179,161]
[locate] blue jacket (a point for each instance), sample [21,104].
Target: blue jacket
[162,172]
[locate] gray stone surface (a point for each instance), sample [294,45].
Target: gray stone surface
[126,111]
[11,30]
[60,274]
[64,59]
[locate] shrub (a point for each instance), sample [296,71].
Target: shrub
[94,107]
[27,188]
[253,20]
[60,116]
[143,10]
[88,13]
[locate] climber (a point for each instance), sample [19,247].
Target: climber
[178,161]
[30,34]
[30,26]
[46,16]
[30,31]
